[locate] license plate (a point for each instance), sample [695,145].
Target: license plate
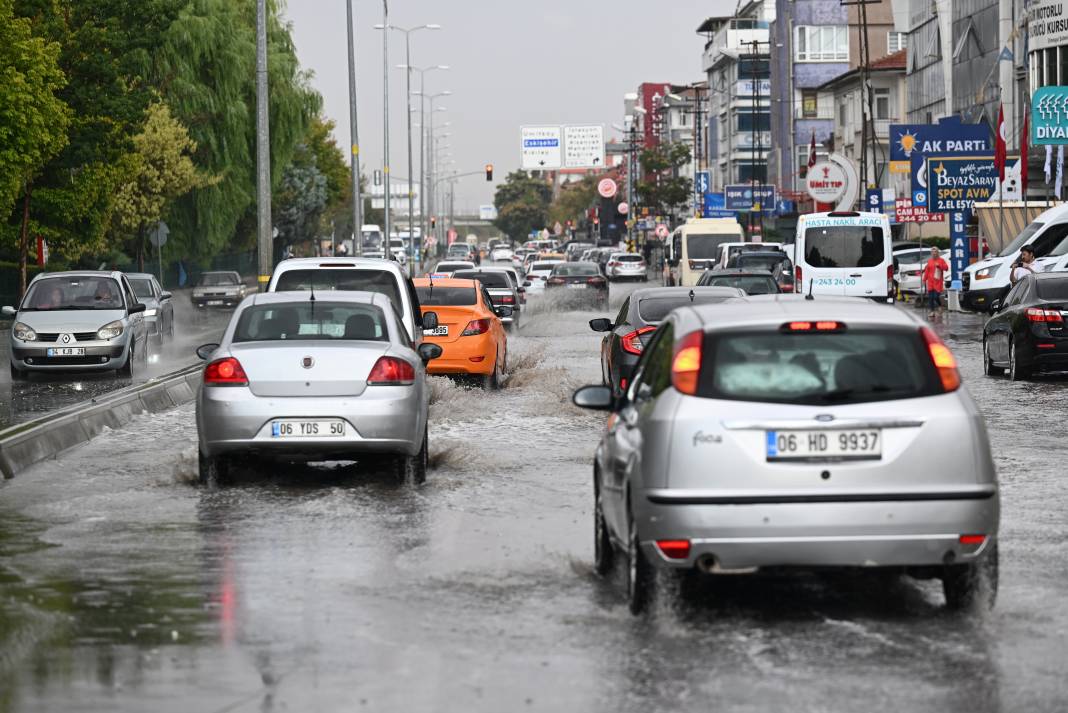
[300,428]
[576,286]
[213,303]
[66,351]
[858,444]
[439,331]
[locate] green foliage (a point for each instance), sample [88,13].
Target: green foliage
[665,190]
[522,203]
[573,201]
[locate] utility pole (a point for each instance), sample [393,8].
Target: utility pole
[413,245]
[264,233]
[357,201]
[385,114]
[754,137]
[868,138]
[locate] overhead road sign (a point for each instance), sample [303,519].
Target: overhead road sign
[584,146]
[542,148]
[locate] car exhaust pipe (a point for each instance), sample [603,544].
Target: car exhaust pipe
[708,564]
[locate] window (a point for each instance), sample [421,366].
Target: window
[810,103]
[312,320]
[842,114]
[655,373]
[341,278]
[882,103]
[1053,289]
[896,41]
[844,246]
[442,296]
[749,121]
[821,44]
[76,292]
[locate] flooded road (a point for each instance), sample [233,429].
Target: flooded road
[124,587]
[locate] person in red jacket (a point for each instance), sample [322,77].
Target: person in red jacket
[934,279]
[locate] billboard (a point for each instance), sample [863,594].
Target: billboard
[743,197]
[956,183]
[948,136]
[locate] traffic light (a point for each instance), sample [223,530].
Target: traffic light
[433,222]
[489,171]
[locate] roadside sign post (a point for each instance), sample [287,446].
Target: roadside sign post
[158,237]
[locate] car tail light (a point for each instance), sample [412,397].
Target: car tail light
[225,372]
[890,279]
[595,281]
[824,326]
[943,360]
[674,549]
[632,343]
[1035,314]
[391,371]
[787,287]
[507,300]
[614,263]
[555,281]
[686,364]
[475,327]
[797,277]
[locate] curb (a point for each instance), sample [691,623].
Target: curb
[26,444]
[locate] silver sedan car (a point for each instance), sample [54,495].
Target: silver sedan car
[159,305]
[783,432]
[306,377]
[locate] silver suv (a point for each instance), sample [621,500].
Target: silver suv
[783,432]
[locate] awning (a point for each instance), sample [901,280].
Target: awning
[1016,218]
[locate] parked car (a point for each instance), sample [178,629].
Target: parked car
[625,337]
[77,321]
[751,281]
[626,266]
[314,376]
[218,289]
[1026,334]
[781,432]
[159,305]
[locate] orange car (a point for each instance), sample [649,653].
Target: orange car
[469,329]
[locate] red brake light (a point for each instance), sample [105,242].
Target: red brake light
[797,275]
[476,326]
[686,364]
[1036,314]
[825,326]
[972,539]
[799,326]
[596,281]
[225,372]
[391,371]
[632,343]
[555,280]
[943,360]
[674,549]
[508,300]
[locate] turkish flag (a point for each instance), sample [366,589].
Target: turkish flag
[1023,157]
[812,151]
[999,145]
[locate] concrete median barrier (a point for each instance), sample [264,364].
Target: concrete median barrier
[24,445]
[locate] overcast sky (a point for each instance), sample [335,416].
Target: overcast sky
[511,63]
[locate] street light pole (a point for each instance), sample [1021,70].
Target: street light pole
[412,246]
[357,201]
[264,233]
[385,113]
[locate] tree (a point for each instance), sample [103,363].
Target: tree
[574,200]
[522,203]
[33,119]
[666,190]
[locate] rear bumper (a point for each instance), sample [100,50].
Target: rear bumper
[822,534]
[216,301]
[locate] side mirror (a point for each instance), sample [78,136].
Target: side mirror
[430,320]
[601,324]
[504,311]
[428,351]
[596,398]
[204,351]
[8,311]
[136,307]
[995,305]
[526,283]
[165,295]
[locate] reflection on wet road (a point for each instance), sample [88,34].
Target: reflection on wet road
[124,587]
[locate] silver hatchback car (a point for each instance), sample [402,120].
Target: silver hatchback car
[300,376]
[783,432]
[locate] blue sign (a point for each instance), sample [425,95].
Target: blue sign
[956,183]
[540,143]
[713,207]
[743,197]
[959,248]
[1049,116]
[702,182]
[874,200]
[948,136]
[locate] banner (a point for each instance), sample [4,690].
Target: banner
[956,183]
[948,136]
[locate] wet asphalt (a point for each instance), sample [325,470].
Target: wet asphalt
[126,587]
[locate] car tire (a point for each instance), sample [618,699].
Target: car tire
[127,368]
[213,470]
[493,381]
[973,586]
[988,364]
[604,553]
[1016,371]
[411,470]
[641,577]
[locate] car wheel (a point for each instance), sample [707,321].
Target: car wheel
[411,470]
[988,364]
[213,470]
[640,573]
[127,368]
[1017,372]
[604,554]
[972,586]
[170,327]
[493,381]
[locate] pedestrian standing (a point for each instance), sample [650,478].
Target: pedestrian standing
[934,279]
[1024,266]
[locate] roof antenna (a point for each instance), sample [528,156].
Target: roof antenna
[811,284]
[691,295]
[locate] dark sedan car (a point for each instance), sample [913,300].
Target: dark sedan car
[502,291]
[753,282]
[578,281]
[638,319]
[1027,333]
[773,261]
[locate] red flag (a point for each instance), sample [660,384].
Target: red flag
[999,145]
[812,151]
[1023,156]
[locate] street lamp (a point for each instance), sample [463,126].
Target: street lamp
[264,233]
[408,75]
[422,136]
[430,136]
[354,146]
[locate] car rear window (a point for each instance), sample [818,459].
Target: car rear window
[759,262]
[1055,290]
[349,279]
[543,266]
[652,310]
[629,258]
[750,284]
[853,366]
[844,246]
[289,321]
[446,296]
[576,269]
[452,266]
[488,279]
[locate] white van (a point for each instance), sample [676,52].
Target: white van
[988,279]
[729,250]
[844,253]
[695,245]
